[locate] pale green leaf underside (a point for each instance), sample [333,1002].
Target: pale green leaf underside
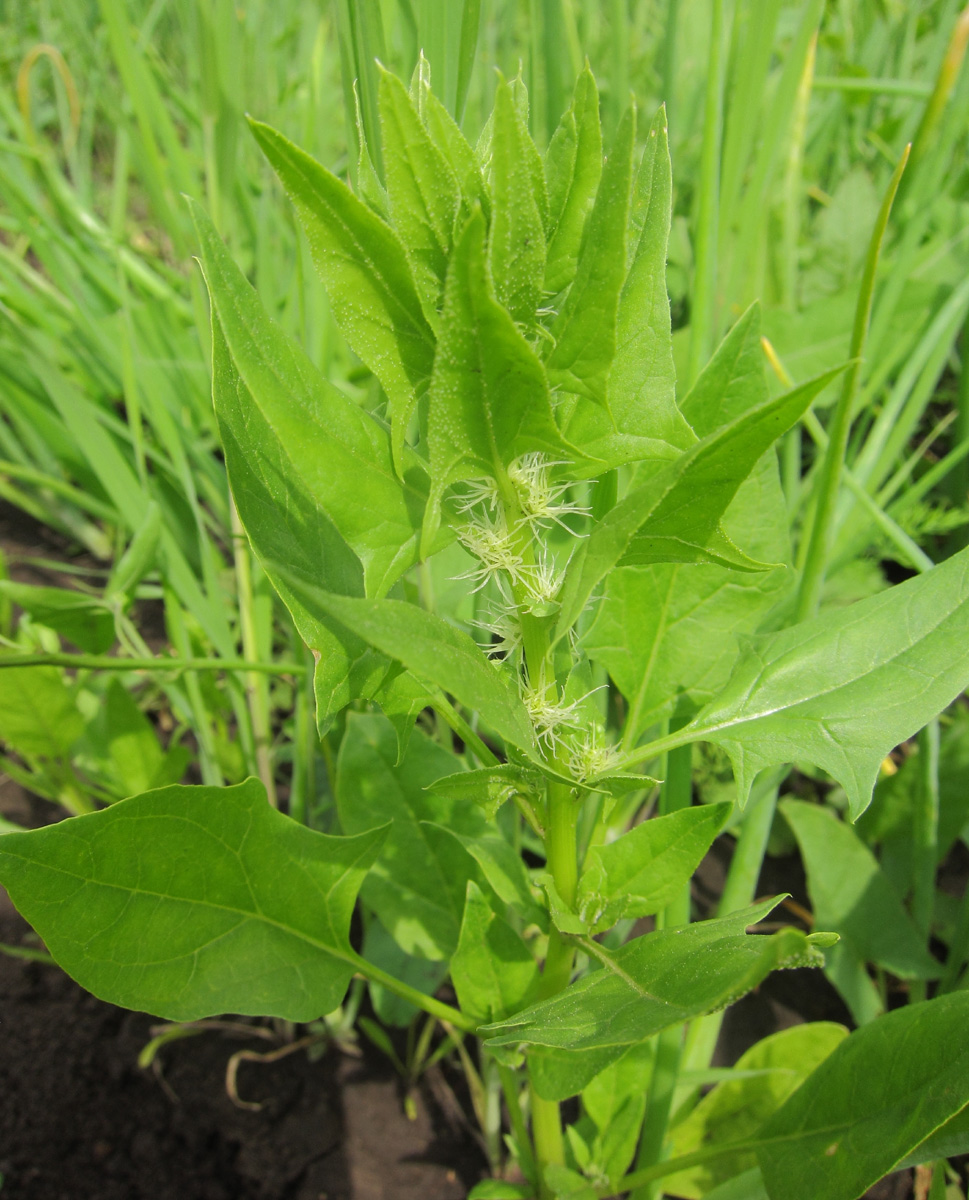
[190,902]
[654,982]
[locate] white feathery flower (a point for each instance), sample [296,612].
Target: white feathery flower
[593,756]
[541,500]
[492,545]
[483,491]
[549,718]
[501,625]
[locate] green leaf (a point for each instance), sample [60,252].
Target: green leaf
[302,457]
[498,1189]
[650,984]
[643,422]
[493,971]
[503,868]
[417,885]
[491,787]
[435,651]
[749,1185]
[947,1141]
[682,505]
[516,241]
[844,689]
[585,329]
[81,619]
[489,400]
[364,268]
[422,189]
[452,143]
[190,902]
[426,976]
[736,1109]
[638,874]
[120,748]
[39,717]
[670,633]
[138,558]
[880,1095]
[733,380]
[573,167]
[850,894]
[614,1103]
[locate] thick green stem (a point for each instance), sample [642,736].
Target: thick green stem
[562,857]
[829,482]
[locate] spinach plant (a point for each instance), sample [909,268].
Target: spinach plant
[622,594]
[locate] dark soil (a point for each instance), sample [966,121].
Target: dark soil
[79,1120]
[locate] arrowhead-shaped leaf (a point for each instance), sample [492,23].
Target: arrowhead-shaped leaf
[190,902]
[845,688]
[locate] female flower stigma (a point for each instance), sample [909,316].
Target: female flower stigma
[542,500]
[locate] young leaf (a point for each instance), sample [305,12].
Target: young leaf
[489,401]
[301,455]
[417,885]
[845,688]
[434,651]
[573,167]
[882,1093]
[585,329]
[364,267]
[422,189]
[639,873]
[190,902]
[516,244]
[682,505]
[647,985]
[452,143]
[493,971]
[736,1109]
[850,894]
[669,633]
[643,421]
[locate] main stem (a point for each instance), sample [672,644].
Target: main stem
[561,850]
[562,858]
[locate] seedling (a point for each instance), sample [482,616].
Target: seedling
[514,311]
